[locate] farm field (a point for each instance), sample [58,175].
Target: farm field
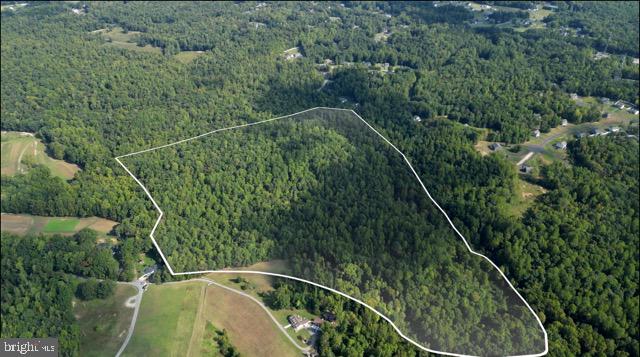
[256,284]
[250,329]
[173,321]
[104,323]
[26,224]
[20,150]
[166,320]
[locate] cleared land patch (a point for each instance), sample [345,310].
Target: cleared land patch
[250,329]
[118,37]
[61,225]
[104,322]
[21,150]
[22,224]
[187,57]
[166,320]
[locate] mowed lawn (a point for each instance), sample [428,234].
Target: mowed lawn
[22,224]
[61,225]
[166,320]
[251,331]
[21,148]
[104,323]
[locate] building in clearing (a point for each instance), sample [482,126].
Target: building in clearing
[565,122]
[495,146]
[526,169]
[148,271]
[561,145]
[298,322]
[614,129]
[536,133]
[417,118]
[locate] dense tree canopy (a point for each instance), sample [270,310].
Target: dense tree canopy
[573,254]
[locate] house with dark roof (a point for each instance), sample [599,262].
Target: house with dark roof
[526,169]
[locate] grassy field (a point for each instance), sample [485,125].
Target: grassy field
[187,57]
[20,150]
[256,283]
[173,319]
[526,193]
[104,323]
[22,224]
[117,37]
[250,329]
[61,225]
[166,320]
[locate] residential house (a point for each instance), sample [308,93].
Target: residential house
[526,169]
[148,271]
[298,322]
[561,145]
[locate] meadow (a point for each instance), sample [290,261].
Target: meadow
[104,322]
[22,150]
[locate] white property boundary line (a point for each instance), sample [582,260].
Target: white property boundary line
[155,204]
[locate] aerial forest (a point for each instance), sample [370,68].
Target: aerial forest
[297,194]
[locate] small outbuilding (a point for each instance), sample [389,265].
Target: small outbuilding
[561,145]
[526,169]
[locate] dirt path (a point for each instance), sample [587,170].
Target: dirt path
[197,331]
[20,159]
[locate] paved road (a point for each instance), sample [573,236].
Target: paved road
[266,309]
[137,285]
[525,158]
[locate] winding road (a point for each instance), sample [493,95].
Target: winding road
[138,285]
